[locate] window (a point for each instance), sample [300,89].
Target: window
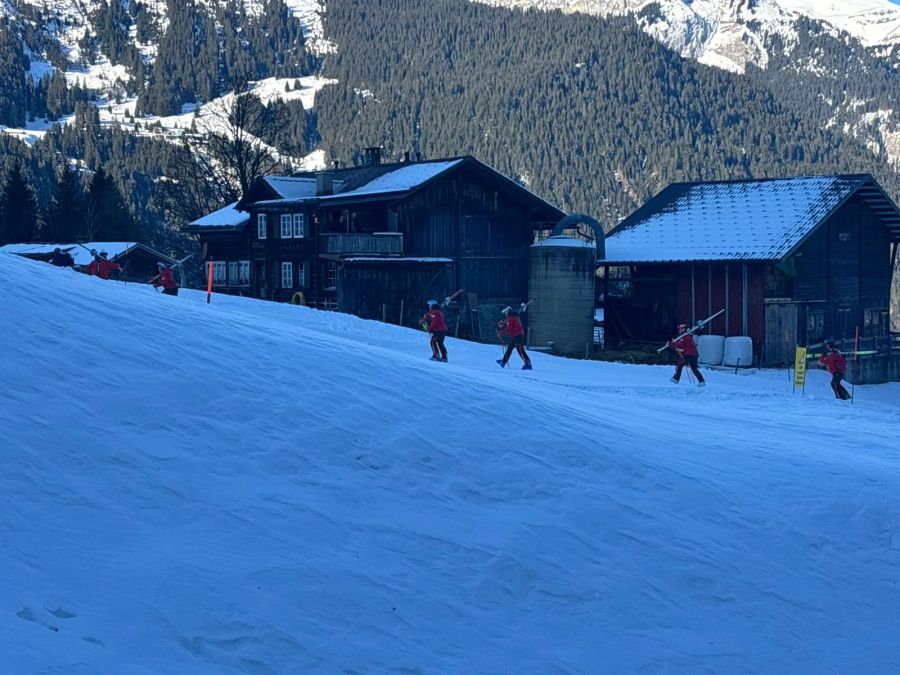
[330,275]
[815,325]
[299,226]
[219,272]
[261,225]
[476,235]
[243,272]
[287,275]
[233,273]
[301,275]
[285,225]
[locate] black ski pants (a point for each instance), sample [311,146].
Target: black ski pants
[438,350]
[517,343]
[839,390]
[691,361]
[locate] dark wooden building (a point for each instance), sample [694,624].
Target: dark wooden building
[791,261]
[373,238]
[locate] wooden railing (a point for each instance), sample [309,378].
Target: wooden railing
[379,243]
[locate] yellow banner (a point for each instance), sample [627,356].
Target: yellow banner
[800,367]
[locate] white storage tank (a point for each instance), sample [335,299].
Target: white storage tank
[561,283]
[738,352]
[711,349]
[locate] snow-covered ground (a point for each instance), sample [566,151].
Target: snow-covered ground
[256,487]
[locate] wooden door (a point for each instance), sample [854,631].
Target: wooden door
[781,333]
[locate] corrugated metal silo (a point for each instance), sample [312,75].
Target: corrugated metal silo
[561,283]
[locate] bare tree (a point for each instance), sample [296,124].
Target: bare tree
[235,128]
[221,155]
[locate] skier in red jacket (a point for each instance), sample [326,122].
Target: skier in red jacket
[510,331]
[433,322]
[100,266]
[836,364]
[165,279]
[687,354]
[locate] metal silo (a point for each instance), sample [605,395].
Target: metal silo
[561,283]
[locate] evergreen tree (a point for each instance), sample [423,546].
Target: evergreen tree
[18,209]
[108,216]
[64,218]
[13,86]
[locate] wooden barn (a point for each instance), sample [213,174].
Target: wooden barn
[379,240]
[791,261]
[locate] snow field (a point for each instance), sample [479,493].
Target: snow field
[254,487]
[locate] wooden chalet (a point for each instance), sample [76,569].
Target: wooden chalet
[378,240]
[791,261]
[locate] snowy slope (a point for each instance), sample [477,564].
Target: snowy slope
[254,487]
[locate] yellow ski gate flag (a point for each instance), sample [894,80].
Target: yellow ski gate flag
[800,368]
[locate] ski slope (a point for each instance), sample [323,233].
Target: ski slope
[261,488]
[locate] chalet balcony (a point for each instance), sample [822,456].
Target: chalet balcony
[379,243]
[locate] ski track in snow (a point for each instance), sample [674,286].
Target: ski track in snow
[255,487]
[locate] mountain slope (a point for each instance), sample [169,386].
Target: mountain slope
[253,487]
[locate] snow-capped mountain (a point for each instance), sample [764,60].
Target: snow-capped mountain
[732,33]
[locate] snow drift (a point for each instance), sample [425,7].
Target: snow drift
[253,487]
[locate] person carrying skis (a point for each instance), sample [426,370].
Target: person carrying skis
[102,267]
[433,322]
[166,279]
[836,364]
[62,258]
[687,352]
[510,331]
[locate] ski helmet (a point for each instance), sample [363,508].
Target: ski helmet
[505,310]
[161,265]
[432,303]
[103,254]
[829,342]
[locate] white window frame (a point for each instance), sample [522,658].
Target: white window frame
[219,273]
[260,225]
[244,272]
[287,272]
[286,231]
[232,273]
[301,274]
[299,226]
[330,275]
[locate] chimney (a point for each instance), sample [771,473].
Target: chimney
[324,183]
[373,156]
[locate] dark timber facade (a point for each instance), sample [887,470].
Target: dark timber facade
[790,262]
[379,240]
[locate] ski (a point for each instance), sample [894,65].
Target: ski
[697,326]
[868,352]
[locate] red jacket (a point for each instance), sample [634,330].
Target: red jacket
[164,279]
[511,326]
[834,361]
[435,320]
[102,268]
[685,345]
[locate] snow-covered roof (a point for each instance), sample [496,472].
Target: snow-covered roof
[292,189]
[226,217]
[81,253]
[395,260]
[403,179]
[564,241]
[739,220]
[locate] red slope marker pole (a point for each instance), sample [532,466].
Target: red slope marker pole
[209,283]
